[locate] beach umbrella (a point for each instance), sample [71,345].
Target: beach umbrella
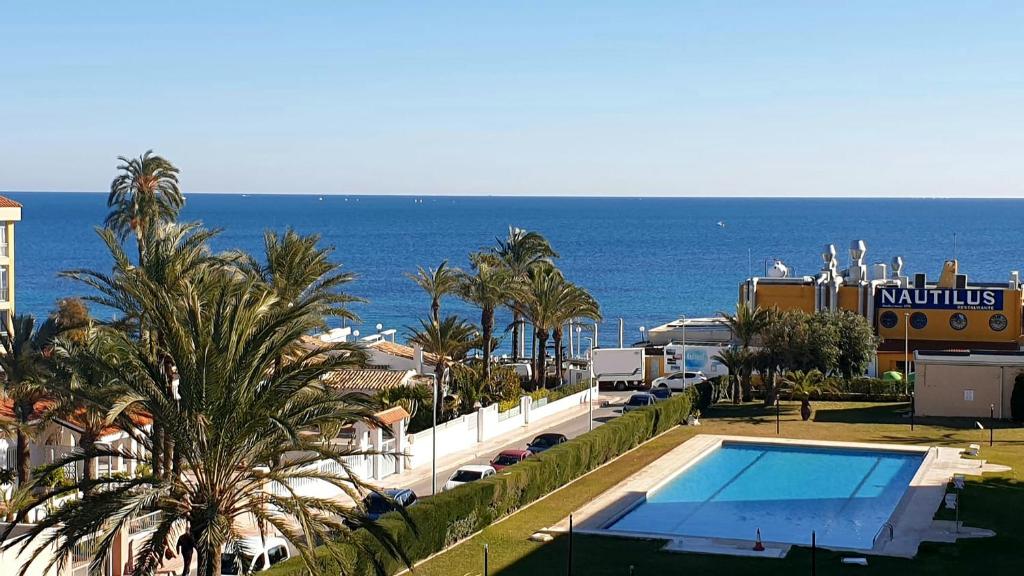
[892,376]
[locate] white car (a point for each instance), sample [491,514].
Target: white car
[469,473]
[679,381]
[256,554]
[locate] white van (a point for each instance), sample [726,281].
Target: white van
[256,554]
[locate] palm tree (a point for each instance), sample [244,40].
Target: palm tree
[143,197]
[746,324]
[448,340]
[549,300]
[26,370]
[241,428]
[178,255]
[297,269]
[521,252]
[802,385]
[437,283]
[85,387]
[489,287]
[578,303]
[735,360]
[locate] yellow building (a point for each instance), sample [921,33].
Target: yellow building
[949,313]
[10,212]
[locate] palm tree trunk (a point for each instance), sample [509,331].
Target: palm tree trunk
[516,319]
[435,310]
[542,353]
[87,442]
[735,384]
[207,553]
[487,329]
[23,459]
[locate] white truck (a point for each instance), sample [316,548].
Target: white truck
[620,368]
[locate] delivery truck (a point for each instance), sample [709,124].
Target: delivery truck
[619,368]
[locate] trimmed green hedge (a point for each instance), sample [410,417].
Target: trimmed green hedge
[444,519]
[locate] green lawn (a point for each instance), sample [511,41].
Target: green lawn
[995,502]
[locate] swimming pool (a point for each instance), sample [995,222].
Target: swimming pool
[844,495]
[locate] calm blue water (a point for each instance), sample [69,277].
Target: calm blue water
[844,495]
[647,260]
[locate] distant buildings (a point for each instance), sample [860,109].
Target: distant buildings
[909,313]
[10,212]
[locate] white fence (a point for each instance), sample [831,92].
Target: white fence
[469,429]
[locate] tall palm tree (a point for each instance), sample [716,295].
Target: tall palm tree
[437,283]
[578,303]
[488,287]
[178,255]
[26,371]
[522,251]
[241,429]
[448,340]
[746,324]
[735,360]
[143,197]
[297,269]
[549,301]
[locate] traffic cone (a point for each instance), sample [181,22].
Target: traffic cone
[758,545]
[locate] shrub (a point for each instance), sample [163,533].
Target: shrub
[444,519]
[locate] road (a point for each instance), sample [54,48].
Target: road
[571,428]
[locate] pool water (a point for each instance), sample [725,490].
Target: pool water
[845,496]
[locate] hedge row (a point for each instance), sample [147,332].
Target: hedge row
[442,520]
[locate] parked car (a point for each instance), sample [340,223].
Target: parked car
[638,401]
[467,474]
[253,555]
[506,458]
[679,381]
[661,394]
[377,505]
[545,441]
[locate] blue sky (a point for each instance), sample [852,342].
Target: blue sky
[560,98]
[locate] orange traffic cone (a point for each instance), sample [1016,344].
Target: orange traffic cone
[758,545]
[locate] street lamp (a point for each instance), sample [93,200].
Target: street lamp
[379,327]
[682,322]
[906,352]
[593,383]
[433,433]
[991,423]
[642,330]
[579,349]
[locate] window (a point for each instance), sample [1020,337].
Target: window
[968,395]
[997,322]
[958,321]
[4,274]
[4,245]
[918,320]
[888,319]
[277,554]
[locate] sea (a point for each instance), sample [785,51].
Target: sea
[646,260]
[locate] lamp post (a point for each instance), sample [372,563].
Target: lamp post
[991,423]
[593,384]
[579,345]
[642,330]
[777,415]
[433,433]
[682,322]
[906,352]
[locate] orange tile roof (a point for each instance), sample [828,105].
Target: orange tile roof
[6,202]
[391,415]
[403,351]
[368,379]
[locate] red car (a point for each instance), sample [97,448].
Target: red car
[506,458]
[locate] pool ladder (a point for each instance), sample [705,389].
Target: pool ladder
[886,528]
